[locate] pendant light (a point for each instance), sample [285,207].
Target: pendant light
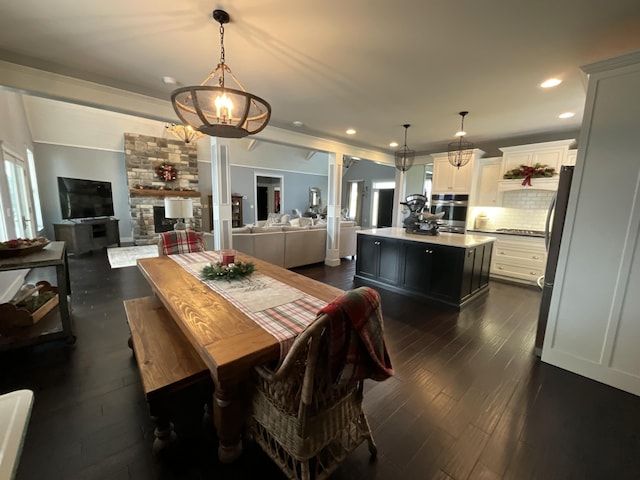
[215,109]
[460,151]
[405,156]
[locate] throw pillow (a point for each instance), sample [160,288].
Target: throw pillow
[272,219]
[306,221]
[182,241]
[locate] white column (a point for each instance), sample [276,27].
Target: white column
[221,192]
[333,209]
[399,195]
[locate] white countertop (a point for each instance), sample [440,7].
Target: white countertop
[443,238]
[15,410]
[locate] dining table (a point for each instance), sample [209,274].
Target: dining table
[228,330]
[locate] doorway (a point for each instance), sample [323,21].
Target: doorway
[16,198]
[385,208]
[269,195]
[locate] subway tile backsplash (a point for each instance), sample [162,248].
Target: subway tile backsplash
[527,200]
[521,209]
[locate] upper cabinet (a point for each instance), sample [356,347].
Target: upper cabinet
[570,159]
[548,154]
[450,179]
[489,173]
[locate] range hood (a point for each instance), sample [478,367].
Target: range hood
[543,183]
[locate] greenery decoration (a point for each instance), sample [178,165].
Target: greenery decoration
[233,271]
[167,172]
[527,172]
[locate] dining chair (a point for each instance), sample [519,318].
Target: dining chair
[181,241]
[307,413]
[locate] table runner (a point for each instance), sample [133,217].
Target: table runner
[280,309]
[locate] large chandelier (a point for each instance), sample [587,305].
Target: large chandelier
[460,151]
[185,133]
[405,156]
[216,110]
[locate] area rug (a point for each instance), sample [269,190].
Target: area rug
[126,256]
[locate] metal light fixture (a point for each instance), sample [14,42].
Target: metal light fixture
[216,110]
[460,151]
[405,156]
[185,133]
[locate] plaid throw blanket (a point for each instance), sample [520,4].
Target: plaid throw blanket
[182,241]
[356,337]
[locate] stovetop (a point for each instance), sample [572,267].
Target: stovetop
[521,231]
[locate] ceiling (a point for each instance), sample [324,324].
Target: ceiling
[333,65]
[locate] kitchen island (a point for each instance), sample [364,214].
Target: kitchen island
[449,268]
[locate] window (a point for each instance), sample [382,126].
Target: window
[34,190]
[15,198]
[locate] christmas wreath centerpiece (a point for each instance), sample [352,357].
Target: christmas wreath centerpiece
[527,172]
[232,271]
[167,172]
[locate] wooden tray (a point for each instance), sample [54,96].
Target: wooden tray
[17,316]
[20,251]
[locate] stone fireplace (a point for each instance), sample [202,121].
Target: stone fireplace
[143,155]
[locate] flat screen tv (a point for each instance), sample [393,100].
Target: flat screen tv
[84,198]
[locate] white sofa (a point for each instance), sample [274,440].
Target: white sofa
[288,246]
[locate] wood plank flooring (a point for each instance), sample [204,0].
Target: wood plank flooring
[468,401]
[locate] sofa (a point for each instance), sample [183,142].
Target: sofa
[290,246]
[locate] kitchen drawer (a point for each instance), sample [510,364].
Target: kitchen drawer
[529,274]
[531,256]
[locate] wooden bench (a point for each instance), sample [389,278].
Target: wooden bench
[168,363]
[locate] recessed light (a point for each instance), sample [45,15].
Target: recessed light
[551,82]
[169,80]
[393,144]
[351,131]
[297,123]
[566,115]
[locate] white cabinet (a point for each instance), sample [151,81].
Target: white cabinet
[570,159]
[518,258]
[489,173]
[593,326]
[450,179]
[551,154]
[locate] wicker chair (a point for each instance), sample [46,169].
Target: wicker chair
[300,418]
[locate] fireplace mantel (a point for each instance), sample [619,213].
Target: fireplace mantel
[149,192]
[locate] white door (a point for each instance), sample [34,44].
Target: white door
[16,199]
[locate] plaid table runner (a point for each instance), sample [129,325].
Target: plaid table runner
[280,309]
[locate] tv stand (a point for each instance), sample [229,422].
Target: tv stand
[88,234]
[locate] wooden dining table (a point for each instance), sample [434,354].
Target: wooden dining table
[228,341]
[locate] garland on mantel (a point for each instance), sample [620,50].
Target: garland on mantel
[527,172]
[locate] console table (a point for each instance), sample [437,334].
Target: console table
[51,327]
[84,236]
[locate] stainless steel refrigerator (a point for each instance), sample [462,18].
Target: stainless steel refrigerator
[553,235]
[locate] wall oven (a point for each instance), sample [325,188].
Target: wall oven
[455,211]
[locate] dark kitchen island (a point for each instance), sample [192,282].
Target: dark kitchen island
[449,268]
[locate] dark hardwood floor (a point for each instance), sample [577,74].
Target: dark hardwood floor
[468,401]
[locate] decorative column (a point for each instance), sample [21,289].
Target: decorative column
[333,209]
[399,195]
[221,193]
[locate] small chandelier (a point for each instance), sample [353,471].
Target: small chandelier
[185,133]
[405,156]
[216,110]
[460,151]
